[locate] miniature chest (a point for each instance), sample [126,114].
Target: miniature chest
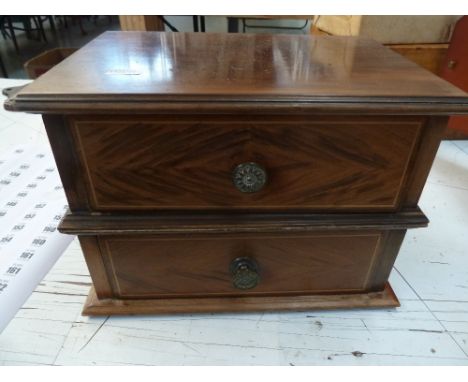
[236,172]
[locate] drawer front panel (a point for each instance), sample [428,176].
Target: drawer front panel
[146,266]
[330,163]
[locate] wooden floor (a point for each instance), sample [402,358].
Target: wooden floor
[430,278]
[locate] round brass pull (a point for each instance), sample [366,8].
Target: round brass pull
[244,271]
[249,177]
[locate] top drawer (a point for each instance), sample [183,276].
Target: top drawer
[276,163]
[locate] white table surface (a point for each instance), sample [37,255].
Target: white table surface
[430,278]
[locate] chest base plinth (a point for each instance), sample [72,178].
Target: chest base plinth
[113,306]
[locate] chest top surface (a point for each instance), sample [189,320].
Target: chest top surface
[142,68]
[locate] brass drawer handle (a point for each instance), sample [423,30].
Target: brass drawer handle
[249,177]
[244,271]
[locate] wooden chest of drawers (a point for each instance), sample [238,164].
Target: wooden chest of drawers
[226,172]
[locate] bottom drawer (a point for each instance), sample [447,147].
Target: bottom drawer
[147,266]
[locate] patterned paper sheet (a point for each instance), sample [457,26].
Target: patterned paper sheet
[32,202]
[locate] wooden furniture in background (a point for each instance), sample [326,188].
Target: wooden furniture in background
[390,29]
[428,56]
[141,23]
[46,60]
[455,70]
[199,181]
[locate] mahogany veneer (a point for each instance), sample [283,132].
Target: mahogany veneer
[328,163]
[218,172]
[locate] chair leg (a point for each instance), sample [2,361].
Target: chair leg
[12,33]
[80,24]
[202,24]
[27,27]
[40,27]
[52,23]
[2,68]
[2,26]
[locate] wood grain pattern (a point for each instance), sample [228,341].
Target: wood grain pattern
[192,265]
[104,307]
[153,72]
[328,163]
[143,266]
